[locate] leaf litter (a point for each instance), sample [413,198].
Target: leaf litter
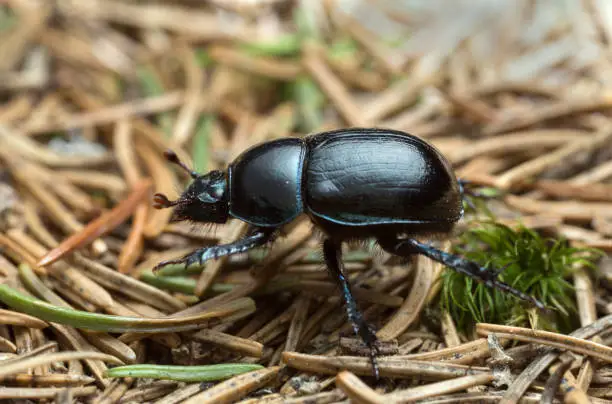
[514,93]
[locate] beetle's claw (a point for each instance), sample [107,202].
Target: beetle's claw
[491,280]
[521,295]
[187,260]
[493,275]
[164,264]
[368,336]
[193,259]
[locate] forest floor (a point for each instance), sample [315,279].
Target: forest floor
[516,94]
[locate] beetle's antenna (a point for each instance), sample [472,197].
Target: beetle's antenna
[173,158]
[161,201]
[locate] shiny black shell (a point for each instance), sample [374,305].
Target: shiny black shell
[265,183]
[349,178]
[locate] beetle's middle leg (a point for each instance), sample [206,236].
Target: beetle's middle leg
[254,238]
[332,253]
[404,247]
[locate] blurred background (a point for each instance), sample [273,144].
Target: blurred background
[515,93]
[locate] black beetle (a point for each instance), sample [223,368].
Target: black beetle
[353,184]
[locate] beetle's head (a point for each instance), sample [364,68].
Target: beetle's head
[205,200]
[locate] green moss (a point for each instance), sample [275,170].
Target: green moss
[533,264]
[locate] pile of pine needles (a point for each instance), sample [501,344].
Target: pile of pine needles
[516,93]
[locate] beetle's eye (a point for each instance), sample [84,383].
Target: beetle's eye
[207,198]
[217,193]
[211,195]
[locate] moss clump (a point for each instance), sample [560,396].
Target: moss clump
[533,264]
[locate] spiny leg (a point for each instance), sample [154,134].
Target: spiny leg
[333,258]
[403,247]
[255,238]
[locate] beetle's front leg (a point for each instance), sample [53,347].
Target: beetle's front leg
[404,247]
[332,253]
[255,238]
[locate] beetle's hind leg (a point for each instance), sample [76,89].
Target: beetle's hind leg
[405,247]
[332,253]
[254,238]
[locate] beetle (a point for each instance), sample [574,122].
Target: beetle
[355,183]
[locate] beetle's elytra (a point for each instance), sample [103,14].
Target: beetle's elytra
[353,183]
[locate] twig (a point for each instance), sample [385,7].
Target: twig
[236,387]
[102,225]
[21,365]
[551,339]
[357,390]
[578,211]
[411,307]
[439,388]
[571,190]
[553,383]
[202,25]
[539,164]
[516,142]
[42,392]
[127,285]
[230,342]
[266,67]
[332,86]
[546,113]
[462,354]
[389,366]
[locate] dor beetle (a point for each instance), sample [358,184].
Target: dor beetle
[353,184]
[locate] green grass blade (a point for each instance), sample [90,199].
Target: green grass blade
[178,284]
[181,284]
[283,45]
[207,373]
[180,270]
[109,323]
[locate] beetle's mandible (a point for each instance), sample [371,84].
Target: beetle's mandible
[353,183]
